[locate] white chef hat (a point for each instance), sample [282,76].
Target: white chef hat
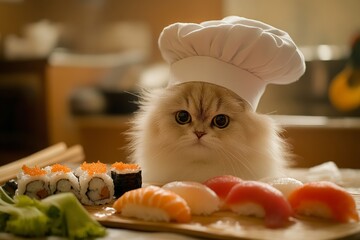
[242,55]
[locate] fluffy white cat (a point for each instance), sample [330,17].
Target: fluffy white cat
[194,131]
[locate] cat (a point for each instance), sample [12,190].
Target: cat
[194,131]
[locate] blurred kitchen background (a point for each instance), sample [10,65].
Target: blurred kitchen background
[70,71]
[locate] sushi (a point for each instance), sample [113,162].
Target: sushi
[325,200]
[258,199]
[153,203]
[222,185]
[96,186]
[286,185]
[62,179]
[200,198]
[33,182]
[125,177]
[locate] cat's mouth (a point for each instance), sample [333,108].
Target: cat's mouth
[197,144]
[198,141]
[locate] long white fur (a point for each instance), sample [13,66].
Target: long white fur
[249,147]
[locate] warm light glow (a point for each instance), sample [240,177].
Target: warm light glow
[324,52]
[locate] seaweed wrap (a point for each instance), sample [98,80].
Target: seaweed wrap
[126,177]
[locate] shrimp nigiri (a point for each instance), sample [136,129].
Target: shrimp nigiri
[251,198]
[324,199]
[153,204]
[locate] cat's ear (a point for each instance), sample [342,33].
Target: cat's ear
[243,105]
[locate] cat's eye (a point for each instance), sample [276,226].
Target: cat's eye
[183,117]
[221,121]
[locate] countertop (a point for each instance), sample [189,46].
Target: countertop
[348,178]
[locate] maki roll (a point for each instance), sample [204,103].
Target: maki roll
[96,186]
[126,177]
[33,182]
[62,179]
[10,187]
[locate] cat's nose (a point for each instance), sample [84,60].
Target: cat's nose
[199,134]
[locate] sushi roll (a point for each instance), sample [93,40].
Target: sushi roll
[126,177]
[153,203]
[326,200]
[201,199]
[33,182]
[96,186]
[222,185]
[285,185]
[10,187]
[258,199]
[62,179]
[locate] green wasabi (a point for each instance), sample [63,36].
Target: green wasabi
[60,215]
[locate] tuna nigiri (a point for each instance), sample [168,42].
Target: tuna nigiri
[324,199]
[222,185]
[251,198]
[153,203]
[201,199]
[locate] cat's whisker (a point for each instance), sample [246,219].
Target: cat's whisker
[271,113]
[170,149]
[237,162]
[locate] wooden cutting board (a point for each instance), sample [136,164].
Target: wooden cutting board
[227,225]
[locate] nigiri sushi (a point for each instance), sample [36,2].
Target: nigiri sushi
[286,185]
[324,199]
[153,203]
[258,199]
[200,198]
[222,185]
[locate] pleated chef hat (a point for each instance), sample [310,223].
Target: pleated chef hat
[240,54]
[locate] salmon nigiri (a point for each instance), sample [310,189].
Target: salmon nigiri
[251,198]
[324,199]
[153,204]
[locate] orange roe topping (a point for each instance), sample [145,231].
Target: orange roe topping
[35,171]
[124,166]
[60,168]
[93,168]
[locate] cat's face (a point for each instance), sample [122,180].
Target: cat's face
[194,131]
[199,118]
